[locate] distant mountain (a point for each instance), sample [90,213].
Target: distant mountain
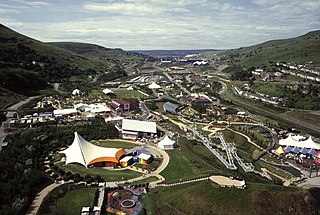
[174,53]
[302,49]
[92,50]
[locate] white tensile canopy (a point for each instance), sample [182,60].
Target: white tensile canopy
[65,112]
[166,143]
[84,152]
[76,92]
[107,91]
[292,140]
[154,86]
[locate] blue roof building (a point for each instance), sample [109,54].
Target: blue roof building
[170,107]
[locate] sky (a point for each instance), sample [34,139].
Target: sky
[162,24]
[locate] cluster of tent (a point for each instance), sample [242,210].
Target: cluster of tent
[296,150]
[298,144]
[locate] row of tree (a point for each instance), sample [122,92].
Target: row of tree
[22,161]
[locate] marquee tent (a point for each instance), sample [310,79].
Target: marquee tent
[312,152]
[166,143]
[297,140]
[154,86]
[107,91]
[279,150]
[295,149]
[76,92]
[87,154]
[304,151]
[287,149]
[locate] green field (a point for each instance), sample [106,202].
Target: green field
[114,144]
[268,89]
[299,50]
[8,97]
[207,198]
[74,200]
[308,117]
[184,163]
[245,150]
[107,175]
[130,94]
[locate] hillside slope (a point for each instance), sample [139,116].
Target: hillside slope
[27,65]
[302,49]
[99,52]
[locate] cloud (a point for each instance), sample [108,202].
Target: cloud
[37,3]
[165,24]
[136,8]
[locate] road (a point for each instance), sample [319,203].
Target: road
[9,116]
[277,116]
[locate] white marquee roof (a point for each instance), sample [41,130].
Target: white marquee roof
[83,152]
[65,111]
[107,91]
[75,92]
[98,108]
[139,126]
[292,140]
[154,86]
[166,141]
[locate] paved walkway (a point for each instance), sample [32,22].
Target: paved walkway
[34,207]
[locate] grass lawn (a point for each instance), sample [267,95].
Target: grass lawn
[73,201]
[151,166]
[124,93]
[268,89]
[308,117]
[107,175]
[245,149]
[267,120]
[98,93]
[254,134]
[272,158]
[207,198]
[294,78]
[184,163]
[114,144]
[276,170]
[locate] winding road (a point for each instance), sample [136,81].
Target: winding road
[11,110]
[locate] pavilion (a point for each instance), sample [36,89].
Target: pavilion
[166,143]
[87,154]
[300,142]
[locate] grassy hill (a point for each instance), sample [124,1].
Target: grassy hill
[99,52]
[300,50]
[208,198]
[27,65]
[13,42]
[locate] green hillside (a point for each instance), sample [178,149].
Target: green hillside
[99,52]
[27,65]
[12,42]
[300,50]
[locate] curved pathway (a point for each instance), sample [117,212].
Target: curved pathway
[34,207]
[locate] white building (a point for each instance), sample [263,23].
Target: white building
[132,129]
